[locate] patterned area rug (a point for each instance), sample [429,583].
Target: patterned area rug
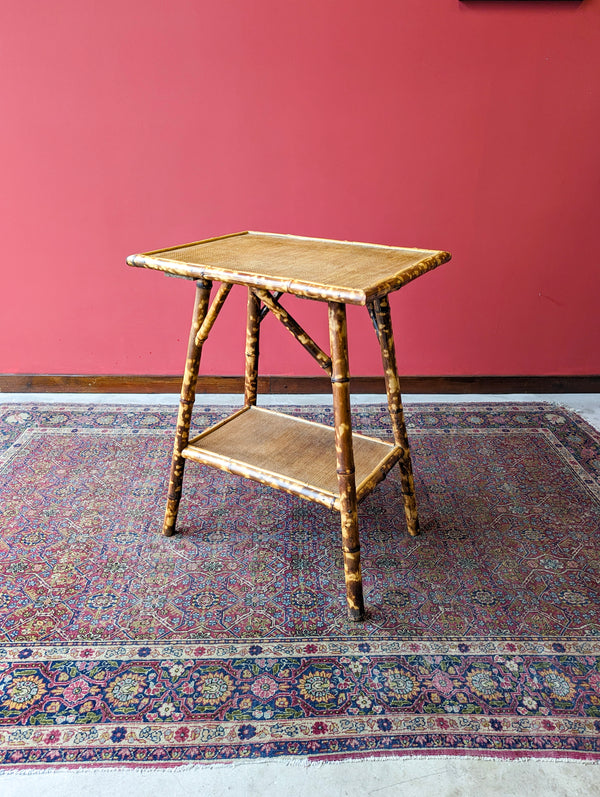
[230,640]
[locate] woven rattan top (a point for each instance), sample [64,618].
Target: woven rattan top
[313,267]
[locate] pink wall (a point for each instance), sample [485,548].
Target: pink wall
[134,124]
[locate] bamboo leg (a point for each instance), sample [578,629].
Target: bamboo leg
[392,384]
[186,404]
[252,349]
[340,379]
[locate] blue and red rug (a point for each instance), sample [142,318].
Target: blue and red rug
[230,640]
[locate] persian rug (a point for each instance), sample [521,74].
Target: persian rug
[230,639]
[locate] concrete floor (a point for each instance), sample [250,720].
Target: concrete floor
[383,777]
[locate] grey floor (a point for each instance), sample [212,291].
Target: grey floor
[384,777]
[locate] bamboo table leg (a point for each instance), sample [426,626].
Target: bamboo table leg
[340,379]
[388,354]
[186,405]
[252,349]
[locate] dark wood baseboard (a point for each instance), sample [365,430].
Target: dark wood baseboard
[113,383]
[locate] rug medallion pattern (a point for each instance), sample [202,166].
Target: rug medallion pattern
[230,639]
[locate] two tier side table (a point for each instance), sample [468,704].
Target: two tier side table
[330,466]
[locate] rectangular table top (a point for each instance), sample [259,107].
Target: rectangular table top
[316,268]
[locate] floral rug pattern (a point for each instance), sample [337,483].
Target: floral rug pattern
[230,639]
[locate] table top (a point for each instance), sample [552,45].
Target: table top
[317,268]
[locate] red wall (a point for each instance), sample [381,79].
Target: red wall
[134,124]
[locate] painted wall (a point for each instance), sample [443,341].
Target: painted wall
[134,124]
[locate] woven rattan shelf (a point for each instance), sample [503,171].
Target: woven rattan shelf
[331,466]
[290,454]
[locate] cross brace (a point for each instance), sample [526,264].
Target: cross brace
[294,327]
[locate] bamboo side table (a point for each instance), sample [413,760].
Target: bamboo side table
[330,466]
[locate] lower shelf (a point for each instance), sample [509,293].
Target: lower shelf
[290,454]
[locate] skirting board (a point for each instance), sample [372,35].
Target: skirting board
[114,383]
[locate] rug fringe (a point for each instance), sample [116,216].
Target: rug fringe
[307,762]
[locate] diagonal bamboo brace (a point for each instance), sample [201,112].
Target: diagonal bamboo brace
[212,314]
[264,310]
[294,327]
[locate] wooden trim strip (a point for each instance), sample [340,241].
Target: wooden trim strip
[153,383]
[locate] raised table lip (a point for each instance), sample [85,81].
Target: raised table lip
[312,492]
[159,260]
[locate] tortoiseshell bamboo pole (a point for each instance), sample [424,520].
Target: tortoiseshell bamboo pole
[388,354]
[186,405]
[340,382]
[264,310]
[253,319]
[211,316]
